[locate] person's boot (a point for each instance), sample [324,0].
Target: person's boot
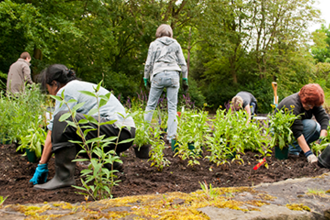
[64,170]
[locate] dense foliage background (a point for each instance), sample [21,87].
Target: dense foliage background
[230,45]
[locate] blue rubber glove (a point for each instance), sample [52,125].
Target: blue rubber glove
[40,175]
[145,80]
[185,84]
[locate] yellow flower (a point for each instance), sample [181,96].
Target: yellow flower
[273,106]
[205,104]
[220,106]
[292,106]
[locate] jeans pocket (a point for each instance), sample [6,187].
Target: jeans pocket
[156,80]
[175,82]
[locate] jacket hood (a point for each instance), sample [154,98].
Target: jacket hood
[166,40]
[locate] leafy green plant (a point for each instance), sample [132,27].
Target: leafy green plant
[318,147]
[229,136]
[157,147]
[102,178]
[34,140]
[142,129]
[192,131]
[280,124]
[21,112]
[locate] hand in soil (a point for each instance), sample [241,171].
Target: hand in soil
[40,175]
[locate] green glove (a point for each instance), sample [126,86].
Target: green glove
[185,85]
[145,80]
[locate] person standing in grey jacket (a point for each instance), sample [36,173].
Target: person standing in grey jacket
[164,63]
[19,74]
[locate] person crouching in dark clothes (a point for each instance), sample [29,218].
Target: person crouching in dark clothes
[306,103]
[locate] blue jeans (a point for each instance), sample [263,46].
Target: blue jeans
[253,108]
[171,81]
[311,132]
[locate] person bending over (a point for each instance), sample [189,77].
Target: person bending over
[246,101]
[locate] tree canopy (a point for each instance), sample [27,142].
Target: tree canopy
[230,45]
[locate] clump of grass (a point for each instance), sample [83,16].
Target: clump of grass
[317,192]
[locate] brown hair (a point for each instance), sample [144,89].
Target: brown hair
[312,94]
[25,55]
[164,30]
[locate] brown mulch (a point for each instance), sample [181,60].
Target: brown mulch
[139,178]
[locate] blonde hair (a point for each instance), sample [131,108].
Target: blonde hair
[237,101]
[164,30]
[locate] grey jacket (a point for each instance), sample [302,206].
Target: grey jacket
[247,97]
[165,53]
[19,74]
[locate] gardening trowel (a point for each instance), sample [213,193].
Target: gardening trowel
[274,85]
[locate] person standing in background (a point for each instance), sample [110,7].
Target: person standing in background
[19,74]
[164,63]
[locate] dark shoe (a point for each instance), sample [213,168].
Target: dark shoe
[116,166]
[64,170]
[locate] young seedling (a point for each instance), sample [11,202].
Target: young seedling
[209,191]
[2,200]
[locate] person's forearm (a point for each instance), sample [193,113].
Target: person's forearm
[248,111]
[303,144]
[323,133]
[47,151]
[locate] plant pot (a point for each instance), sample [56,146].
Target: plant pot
[231,156]
[31,156]
[191,147]
[142,152]
[4,139]
[174,145]
[324,158]
[281,154]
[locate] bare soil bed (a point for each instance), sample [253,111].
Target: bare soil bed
[139,178]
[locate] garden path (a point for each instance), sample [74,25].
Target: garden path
[302,198]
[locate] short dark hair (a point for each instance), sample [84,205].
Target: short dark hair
[58,72]
[25,55]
